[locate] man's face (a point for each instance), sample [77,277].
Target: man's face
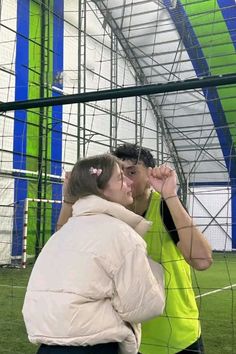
[138,174]
[118,188]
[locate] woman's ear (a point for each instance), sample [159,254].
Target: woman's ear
[101,193]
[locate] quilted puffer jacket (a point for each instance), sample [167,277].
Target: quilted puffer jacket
[92,282]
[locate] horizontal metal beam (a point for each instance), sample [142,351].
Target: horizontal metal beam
[143,90]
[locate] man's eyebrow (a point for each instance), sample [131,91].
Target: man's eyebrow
[129,167]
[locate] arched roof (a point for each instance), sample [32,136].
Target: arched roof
[177,40]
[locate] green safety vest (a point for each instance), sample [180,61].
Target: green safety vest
[179,325]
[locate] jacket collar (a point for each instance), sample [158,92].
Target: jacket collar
[97,205]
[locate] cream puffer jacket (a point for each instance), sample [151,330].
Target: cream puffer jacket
[92,282]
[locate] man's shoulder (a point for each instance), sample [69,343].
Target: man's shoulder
[155,196]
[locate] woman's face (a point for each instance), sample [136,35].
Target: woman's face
[118,188]
[138,174]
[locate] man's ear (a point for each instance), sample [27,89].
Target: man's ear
[149,172]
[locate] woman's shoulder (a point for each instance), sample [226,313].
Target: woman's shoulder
[121,234]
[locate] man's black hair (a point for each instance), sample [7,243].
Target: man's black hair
[135,153]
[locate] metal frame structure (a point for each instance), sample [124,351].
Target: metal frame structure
[134,33]
[161,74]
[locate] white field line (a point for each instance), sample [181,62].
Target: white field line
[216,291]
[201,295]
[12,286]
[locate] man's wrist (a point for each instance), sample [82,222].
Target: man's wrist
[170,197]
[66,201]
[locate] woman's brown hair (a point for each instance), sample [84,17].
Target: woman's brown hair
[83,181]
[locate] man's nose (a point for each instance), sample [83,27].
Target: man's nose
[128,181]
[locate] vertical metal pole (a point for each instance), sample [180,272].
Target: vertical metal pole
[25,229]
[81,121]
[79,77]
[113,84]
[138,118]
[157,143]
[41,132]
[162,145]
[84,77]
[140,121]
[46,117]
[43,127]
[136,115]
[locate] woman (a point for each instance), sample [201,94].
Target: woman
[92,284]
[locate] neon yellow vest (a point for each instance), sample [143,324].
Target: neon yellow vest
[179,326]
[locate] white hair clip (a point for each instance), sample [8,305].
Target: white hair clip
[95,171]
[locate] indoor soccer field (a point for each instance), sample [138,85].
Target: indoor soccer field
[82,77]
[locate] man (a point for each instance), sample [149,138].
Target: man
[174,241]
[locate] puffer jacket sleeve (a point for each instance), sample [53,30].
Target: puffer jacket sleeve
[139,295]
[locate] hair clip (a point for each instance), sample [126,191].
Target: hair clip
[95,171]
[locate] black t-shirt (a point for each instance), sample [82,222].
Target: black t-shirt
[168,222]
